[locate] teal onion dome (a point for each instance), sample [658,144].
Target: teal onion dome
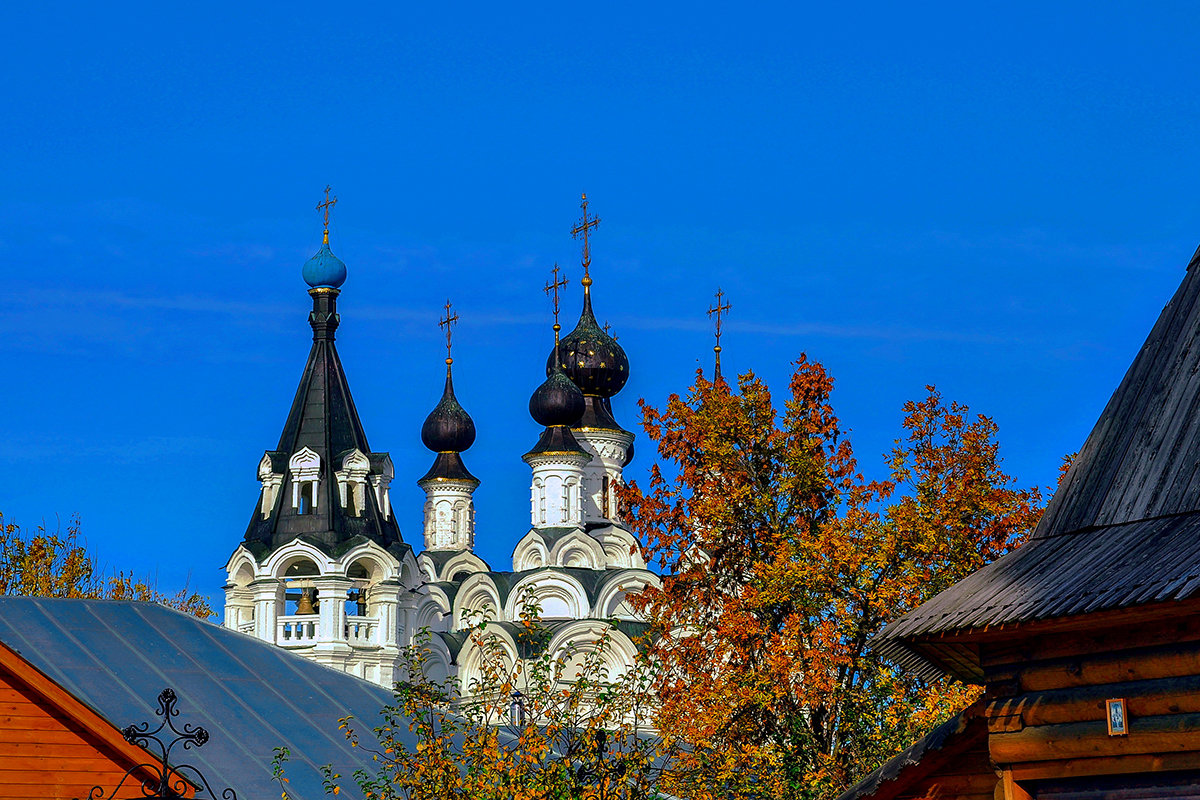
[324,270]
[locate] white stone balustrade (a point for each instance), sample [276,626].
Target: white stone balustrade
[362,630]
[305,630]
[299,630]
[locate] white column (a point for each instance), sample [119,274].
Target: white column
[268,603]
[332,592]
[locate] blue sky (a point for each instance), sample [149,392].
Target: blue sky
[997,200]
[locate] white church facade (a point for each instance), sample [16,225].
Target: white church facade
[324,571]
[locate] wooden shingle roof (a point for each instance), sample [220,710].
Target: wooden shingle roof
[1122,530]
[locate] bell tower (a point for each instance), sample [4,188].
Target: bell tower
[322,569]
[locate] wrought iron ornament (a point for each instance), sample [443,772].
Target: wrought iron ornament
[552,288]
[448,322]
[580,231]
[163,779]
[717,310]
[326,207]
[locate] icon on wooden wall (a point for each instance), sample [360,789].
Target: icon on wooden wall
[1117,720]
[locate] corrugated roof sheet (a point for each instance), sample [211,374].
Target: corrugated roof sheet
[251,696]
[1122,528]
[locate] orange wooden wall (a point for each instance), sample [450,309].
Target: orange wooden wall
[45,754]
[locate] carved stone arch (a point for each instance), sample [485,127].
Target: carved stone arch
[427,568]
[575,544]
[379,563]
[477,594]
[266,467]
[304,459]
[431,613]
[471,658]
[356,460]
[616,587]
[242,574]
[530,553]
[410,572]
[294,551]
[444,607]
[560,595]
[572,642]
[438,660]
[241,557]
[618,543]
[466,561]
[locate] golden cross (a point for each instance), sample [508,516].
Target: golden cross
[606,329]
[448,322]
[552,287]
[328,204]
[718,310]
[581,230]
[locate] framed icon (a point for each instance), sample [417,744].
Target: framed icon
[1118,721]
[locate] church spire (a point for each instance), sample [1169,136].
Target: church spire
[322,483]
[448,486]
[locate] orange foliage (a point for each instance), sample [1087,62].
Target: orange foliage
[57,564]
[581,732]
[782,561]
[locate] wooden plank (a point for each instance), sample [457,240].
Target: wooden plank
[1023,650]
[1142,699]
[1140,664]
[1161,734]
[1108,765]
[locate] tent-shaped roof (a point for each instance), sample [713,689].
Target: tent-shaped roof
[324,421]
[251,696]
[1123,529]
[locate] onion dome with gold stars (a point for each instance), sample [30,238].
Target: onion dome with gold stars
[591,358]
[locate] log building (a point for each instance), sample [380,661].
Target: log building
[1086,638]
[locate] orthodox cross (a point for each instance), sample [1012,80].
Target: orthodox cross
[718,310]
[328,204]
[552,287]
[448,322]
[580,231]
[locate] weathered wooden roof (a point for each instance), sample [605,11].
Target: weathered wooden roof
[1123,529]
[899,773]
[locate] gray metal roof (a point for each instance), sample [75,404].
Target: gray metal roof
[1121,530]
[117,656]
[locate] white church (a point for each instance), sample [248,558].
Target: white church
[323,570]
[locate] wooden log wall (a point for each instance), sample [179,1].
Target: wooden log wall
[1046,700]
[966,775]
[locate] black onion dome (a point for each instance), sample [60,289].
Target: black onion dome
[557,401]
[590,357]
[448,428]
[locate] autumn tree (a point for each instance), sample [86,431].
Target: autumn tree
[781,562]
[531,725]
[56,563]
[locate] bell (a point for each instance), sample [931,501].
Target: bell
[305,605]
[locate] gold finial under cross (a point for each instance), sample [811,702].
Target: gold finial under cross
[328,204]
[718,310]
[580,231]
[448,322]
[552,287]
